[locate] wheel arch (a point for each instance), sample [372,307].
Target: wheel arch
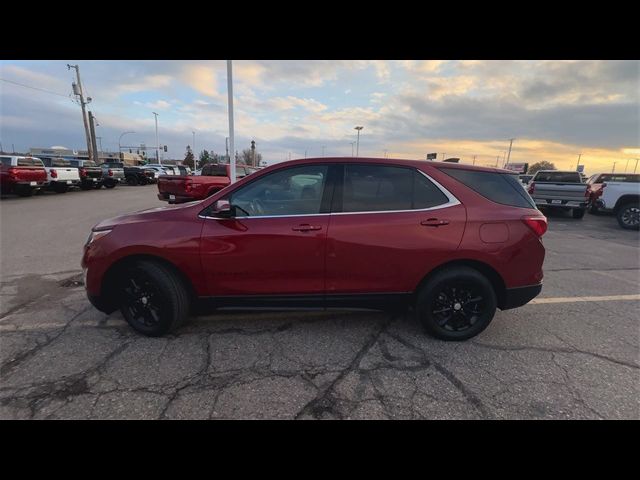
[624,199]
[485,269]
[109,283]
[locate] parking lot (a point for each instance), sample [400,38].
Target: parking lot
[573,353]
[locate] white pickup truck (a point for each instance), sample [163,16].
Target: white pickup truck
[61,175]
[617,193]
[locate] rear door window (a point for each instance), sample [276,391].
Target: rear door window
[383,188]
[6,161]
[29,162]
[498,187]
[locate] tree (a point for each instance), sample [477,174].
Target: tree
[543,165]
[204,158]
[188,159]
[247,157]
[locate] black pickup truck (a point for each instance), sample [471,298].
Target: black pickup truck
[135,175]
[90,173]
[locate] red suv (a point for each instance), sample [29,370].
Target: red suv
[453,241]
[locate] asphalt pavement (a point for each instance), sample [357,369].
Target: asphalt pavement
[573,353]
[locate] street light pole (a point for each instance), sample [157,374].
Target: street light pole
[232,166]
[157,141]
[634,168]
[579,155]
[120,138]
[358,141]
[625,167]
[614,167]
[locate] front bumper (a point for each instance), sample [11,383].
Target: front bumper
[516,297]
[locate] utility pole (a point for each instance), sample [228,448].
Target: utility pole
[474,159]
[497,160]
[509,154]
[614,167]
[94,147]
[625,167]
[77,90]
[634,168]
[232,168]
[579,155]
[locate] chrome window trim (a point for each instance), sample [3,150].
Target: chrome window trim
[452,201]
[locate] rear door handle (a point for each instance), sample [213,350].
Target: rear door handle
[434,222]
[305,227]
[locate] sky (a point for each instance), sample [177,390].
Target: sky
[555,110]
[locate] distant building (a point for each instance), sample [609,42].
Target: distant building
[125,157]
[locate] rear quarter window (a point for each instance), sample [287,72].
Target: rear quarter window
[565,177]
[498,187]
[30,162]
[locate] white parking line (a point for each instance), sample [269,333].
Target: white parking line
[603,298]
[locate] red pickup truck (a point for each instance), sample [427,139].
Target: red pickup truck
[187,188]
[21,175]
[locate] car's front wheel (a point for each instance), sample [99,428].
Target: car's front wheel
[152,298]
[456,304]
[629,216]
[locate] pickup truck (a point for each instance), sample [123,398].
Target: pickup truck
[187,188]
[61,175]
[21,175]
[90,173]
[134,175]
[617,193]
[111,176]
[558,190]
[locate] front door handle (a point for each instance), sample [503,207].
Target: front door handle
[434,222]
[305,227]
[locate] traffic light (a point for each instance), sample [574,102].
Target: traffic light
[165,148]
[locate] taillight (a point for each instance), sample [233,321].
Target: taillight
[83,172]
[188,186]
[532,188]
[537,224]
[53,173]
[13,174]
[110,172]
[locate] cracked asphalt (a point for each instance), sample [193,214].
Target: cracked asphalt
[62,359]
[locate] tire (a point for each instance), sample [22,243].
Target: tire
[577,213]
[593,210]
[153,300]
[60,189]
[447,289]
[132,180]
[628,216]
[110,185]
[24,191]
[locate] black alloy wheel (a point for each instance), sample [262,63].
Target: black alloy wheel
[456,303]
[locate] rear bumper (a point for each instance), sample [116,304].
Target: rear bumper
[165,197]
[570,204]
[516,297]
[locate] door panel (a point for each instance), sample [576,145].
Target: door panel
[259,256]
[389,252]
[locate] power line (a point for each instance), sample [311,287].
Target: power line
[34,88]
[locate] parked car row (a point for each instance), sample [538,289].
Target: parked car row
[602,192]
[25,176]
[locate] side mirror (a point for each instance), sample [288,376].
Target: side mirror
[222,209]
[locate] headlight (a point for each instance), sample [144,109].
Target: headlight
[93,236]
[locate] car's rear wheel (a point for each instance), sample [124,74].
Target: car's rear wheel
[628,216]
[152,298]
[577,213]
[132,180]
[456,304]
[110,185]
